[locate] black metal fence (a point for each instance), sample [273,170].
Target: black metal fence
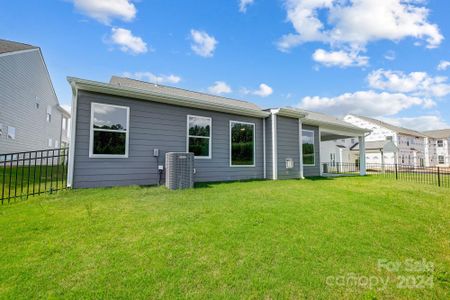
[439,176]
[25,174]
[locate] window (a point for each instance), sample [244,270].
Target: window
[37,102]
[1,129]
[308,148]
[50,142]
[64,123]
[242,144]
[11,132]
[440,143]
[199,136]
[56,144]
[441,159]
[109,130]
[49,114]
[389,138]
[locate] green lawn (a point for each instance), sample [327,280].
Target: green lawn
[271,240]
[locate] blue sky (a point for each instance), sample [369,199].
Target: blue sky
[387,59]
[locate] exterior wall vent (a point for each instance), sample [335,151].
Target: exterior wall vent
[179,170]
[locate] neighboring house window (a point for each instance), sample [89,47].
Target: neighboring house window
[308,148]
[49,114]
[109,130]
[56,144]
[64,123]
[50,142]
[242,144]
[11,132]
[1,129]
[441,159]
[389,138]
[440,143]
[199,136]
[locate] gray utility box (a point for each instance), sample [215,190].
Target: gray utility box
[179,170]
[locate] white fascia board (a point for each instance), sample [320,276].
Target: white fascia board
[105,88]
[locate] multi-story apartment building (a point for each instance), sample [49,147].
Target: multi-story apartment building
[439,147]
[412,145]
[30,115]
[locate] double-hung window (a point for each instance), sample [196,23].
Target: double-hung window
[440,143]
[109,131]
[308,148]
[441,159]
[49,114]
[199,133]
[242,144]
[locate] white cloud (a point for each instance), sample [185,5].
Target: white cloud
[419,123]
[151,77]
[417,83]
[443,65]
[263,91]
[358,22]
[340,58]
[368,103]
[220,87]
[203,44]
[127,42]
[106,10]
[390,55]
[243,4]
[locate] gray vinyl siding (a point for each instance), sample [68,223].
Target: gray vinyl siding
[288,147]
[313,170]
[161,126]
[23,77]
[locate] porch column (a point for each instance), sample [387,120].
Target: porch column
[362,155]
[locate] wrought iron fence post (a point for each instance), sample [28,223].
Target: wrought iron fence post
[439,176]
[396,172]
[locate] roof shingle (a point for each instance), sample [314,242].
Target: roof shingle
[10,46]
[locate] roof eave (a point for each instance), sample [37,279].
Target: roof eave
[105,88]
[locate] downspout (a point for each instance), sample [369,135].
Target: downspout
[274,147]
[300,148]
[71,162]
[264,149]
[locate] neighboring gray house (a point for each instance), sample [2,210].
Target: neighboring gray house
[122,129]
[30,115]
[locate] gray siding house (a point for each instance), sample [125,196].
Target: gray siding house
[30,115]
[121,131]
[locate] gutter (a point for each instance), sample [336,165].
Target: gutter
[105,88]
[71,162]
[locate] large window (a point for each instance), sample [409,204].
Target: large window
[308,148]
[199,136]
[441,159]
[11,132]
[109,130]
[242,144]
[440,143]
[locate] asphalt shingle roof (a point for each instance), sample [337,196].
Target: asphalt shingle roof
[438,134]
[397,129]
[172,91]
[10,46]
[323,118]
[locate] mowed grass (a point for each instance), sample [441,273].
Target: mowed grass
[259,239]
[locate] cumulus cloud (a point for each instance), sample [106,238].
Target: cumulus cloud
[151,77]
[419,123]
[219,87]
[443,65]
[356,23]
[263,91]
[105,10]
[127,42]
[340,58]
[417,83]
[202,43]
[368,103]
[243,4]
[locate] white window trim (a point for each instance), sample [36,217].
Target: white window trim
[254,144]
[314,152]
[202,137]
[91,138]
